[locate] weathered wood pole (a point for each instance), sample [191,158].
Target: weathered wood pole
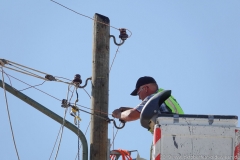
[100,88]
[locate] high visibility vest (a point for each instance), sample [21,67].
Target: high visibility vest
[172,104]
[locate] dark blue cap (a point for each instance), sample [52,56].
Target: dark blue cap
[142,81]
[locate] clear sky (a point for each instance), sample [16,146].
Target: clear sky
[190,47]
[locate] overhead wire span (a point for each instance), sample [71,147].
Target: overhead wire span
[112,144]
[33,87]
[70,99]
[83,14]
[55,97]
[87,93]
[114,58]
[9,117]
[24,66]
[84,134]
[47,77]
[122,30]
[62,127]
[91,109]
[79,147]
[63,78]
[7,76]
[55,142]
[78,123]
[25,71]
[114,135]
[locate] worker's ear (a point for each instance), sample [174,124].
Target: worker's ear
[146,88]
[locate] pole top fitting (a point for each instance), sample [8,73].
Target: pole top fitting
[123,34]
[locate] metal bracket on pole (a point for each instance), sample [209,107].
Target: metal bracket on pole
[50,114]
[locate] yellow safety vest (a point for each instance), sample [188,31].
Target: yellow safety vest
[172,104]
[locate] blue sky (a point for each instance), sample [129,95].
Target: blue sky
[189,47]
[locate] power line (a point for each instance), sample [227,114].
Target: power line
[9,117]
[33,87]
[82,14]
[62,127]
[55,142]
[55,97]
[114,58]
[24,69]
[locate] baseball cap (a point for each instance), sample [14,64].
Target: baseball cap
[142,81]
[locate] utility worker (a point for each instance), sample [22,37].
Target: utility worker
[146,87]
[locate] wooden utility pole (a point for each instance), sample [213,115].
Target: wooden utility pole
[100,85]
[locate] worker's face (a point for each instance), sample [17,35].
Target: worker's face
[142,92]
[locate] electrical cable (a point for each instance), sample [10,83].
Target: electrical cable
[33,87]
[78,137]
[60,100]
[83,14]
[9,117]
[34,75]
[114,58]
[114,136]
[8,77]
[55,143]
[25,67]
[28,72]
[79,148]
[87,93]
[62,127]
[84,134]
[57,98]
[47,77]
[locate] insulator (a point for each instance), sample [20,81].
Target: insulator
[123,34]
[77,79]
[3,62]
[64,103]
[50,77]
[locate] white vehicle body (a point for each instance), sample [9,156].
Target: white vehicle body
[196,137]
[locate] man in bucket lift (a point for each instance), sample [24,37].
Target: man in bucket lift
[146,87]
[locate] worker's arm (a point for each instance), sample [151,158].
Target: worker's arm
[127,115]
[125,108]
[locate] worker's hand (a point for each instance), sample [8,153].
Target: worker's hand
[117,113]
